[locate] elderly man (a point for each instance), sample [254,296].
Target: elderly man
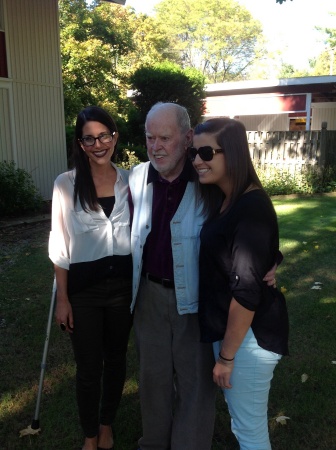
[177,393]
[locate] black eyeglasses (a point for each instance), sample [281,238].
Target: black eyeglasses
[205,153]
[89,141]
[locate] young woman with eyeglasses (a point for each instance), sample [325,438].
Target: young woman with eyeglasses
[245,319]
[90,248]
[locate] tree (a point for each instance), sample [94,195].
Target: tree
[218,37]
[101,45]
[166,82]
[324,64]
[97,47]
[89,47]
[289,71]
[150,45]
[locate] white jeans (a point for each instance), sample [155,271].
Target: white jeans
[248,398]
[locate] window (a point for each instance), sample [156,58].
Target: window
[3,56]
[297,124]
[2,26]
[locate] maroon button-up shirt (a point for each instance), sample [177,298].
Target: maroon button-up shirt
[157,255]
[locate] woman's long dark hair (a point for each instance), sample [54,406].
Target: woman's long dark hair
[85,190]
[231,136]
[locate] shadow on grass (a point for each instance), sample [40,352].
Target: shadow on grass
[58,411]
[307,232]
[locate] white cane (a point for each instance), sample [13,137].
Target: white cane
[34,428]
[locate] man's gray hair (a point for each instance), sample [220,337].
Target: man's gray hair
[182,116]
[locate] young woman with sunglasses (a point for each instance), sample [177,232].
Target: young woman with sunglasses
[90,248]
[244,318]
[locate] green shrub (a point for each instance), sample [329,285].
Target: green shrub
[18,194]
[322,180]
[280,181]
[130,160]
[276,182]
[125,150]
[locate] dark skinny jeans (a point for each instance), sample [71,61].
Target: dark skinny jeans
[102,323]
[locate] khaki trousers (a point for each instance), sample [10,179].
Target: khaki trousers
[177,393]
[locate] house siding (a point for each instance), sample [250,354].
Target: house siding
[32,36]
[5,128]
[270,122]
[274,104]
[324,112]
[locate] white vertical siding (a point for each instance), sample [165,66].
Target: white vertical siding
[32,33]
[6,147]
[270,122]
[324,112]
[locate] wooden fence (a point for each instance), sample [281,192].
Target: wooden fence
[293,150]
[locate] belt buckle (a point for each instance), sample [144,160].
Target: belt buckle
[166,283]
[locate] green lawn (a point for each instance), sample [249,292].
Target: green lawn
[308,238]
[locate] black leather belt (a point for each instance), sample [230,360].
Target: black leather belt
[163,281]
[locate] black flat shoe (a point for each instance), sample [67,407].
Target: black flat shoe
[101,448]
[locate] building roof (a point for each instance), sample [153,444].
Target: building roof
[323,88]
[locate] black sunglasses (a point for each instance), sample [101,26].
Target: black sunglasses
[205,153]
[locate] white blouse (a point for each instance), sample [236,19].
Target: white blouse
[78,236]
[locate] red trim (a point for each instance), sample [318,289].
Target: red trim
[293,102]
[298,114]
